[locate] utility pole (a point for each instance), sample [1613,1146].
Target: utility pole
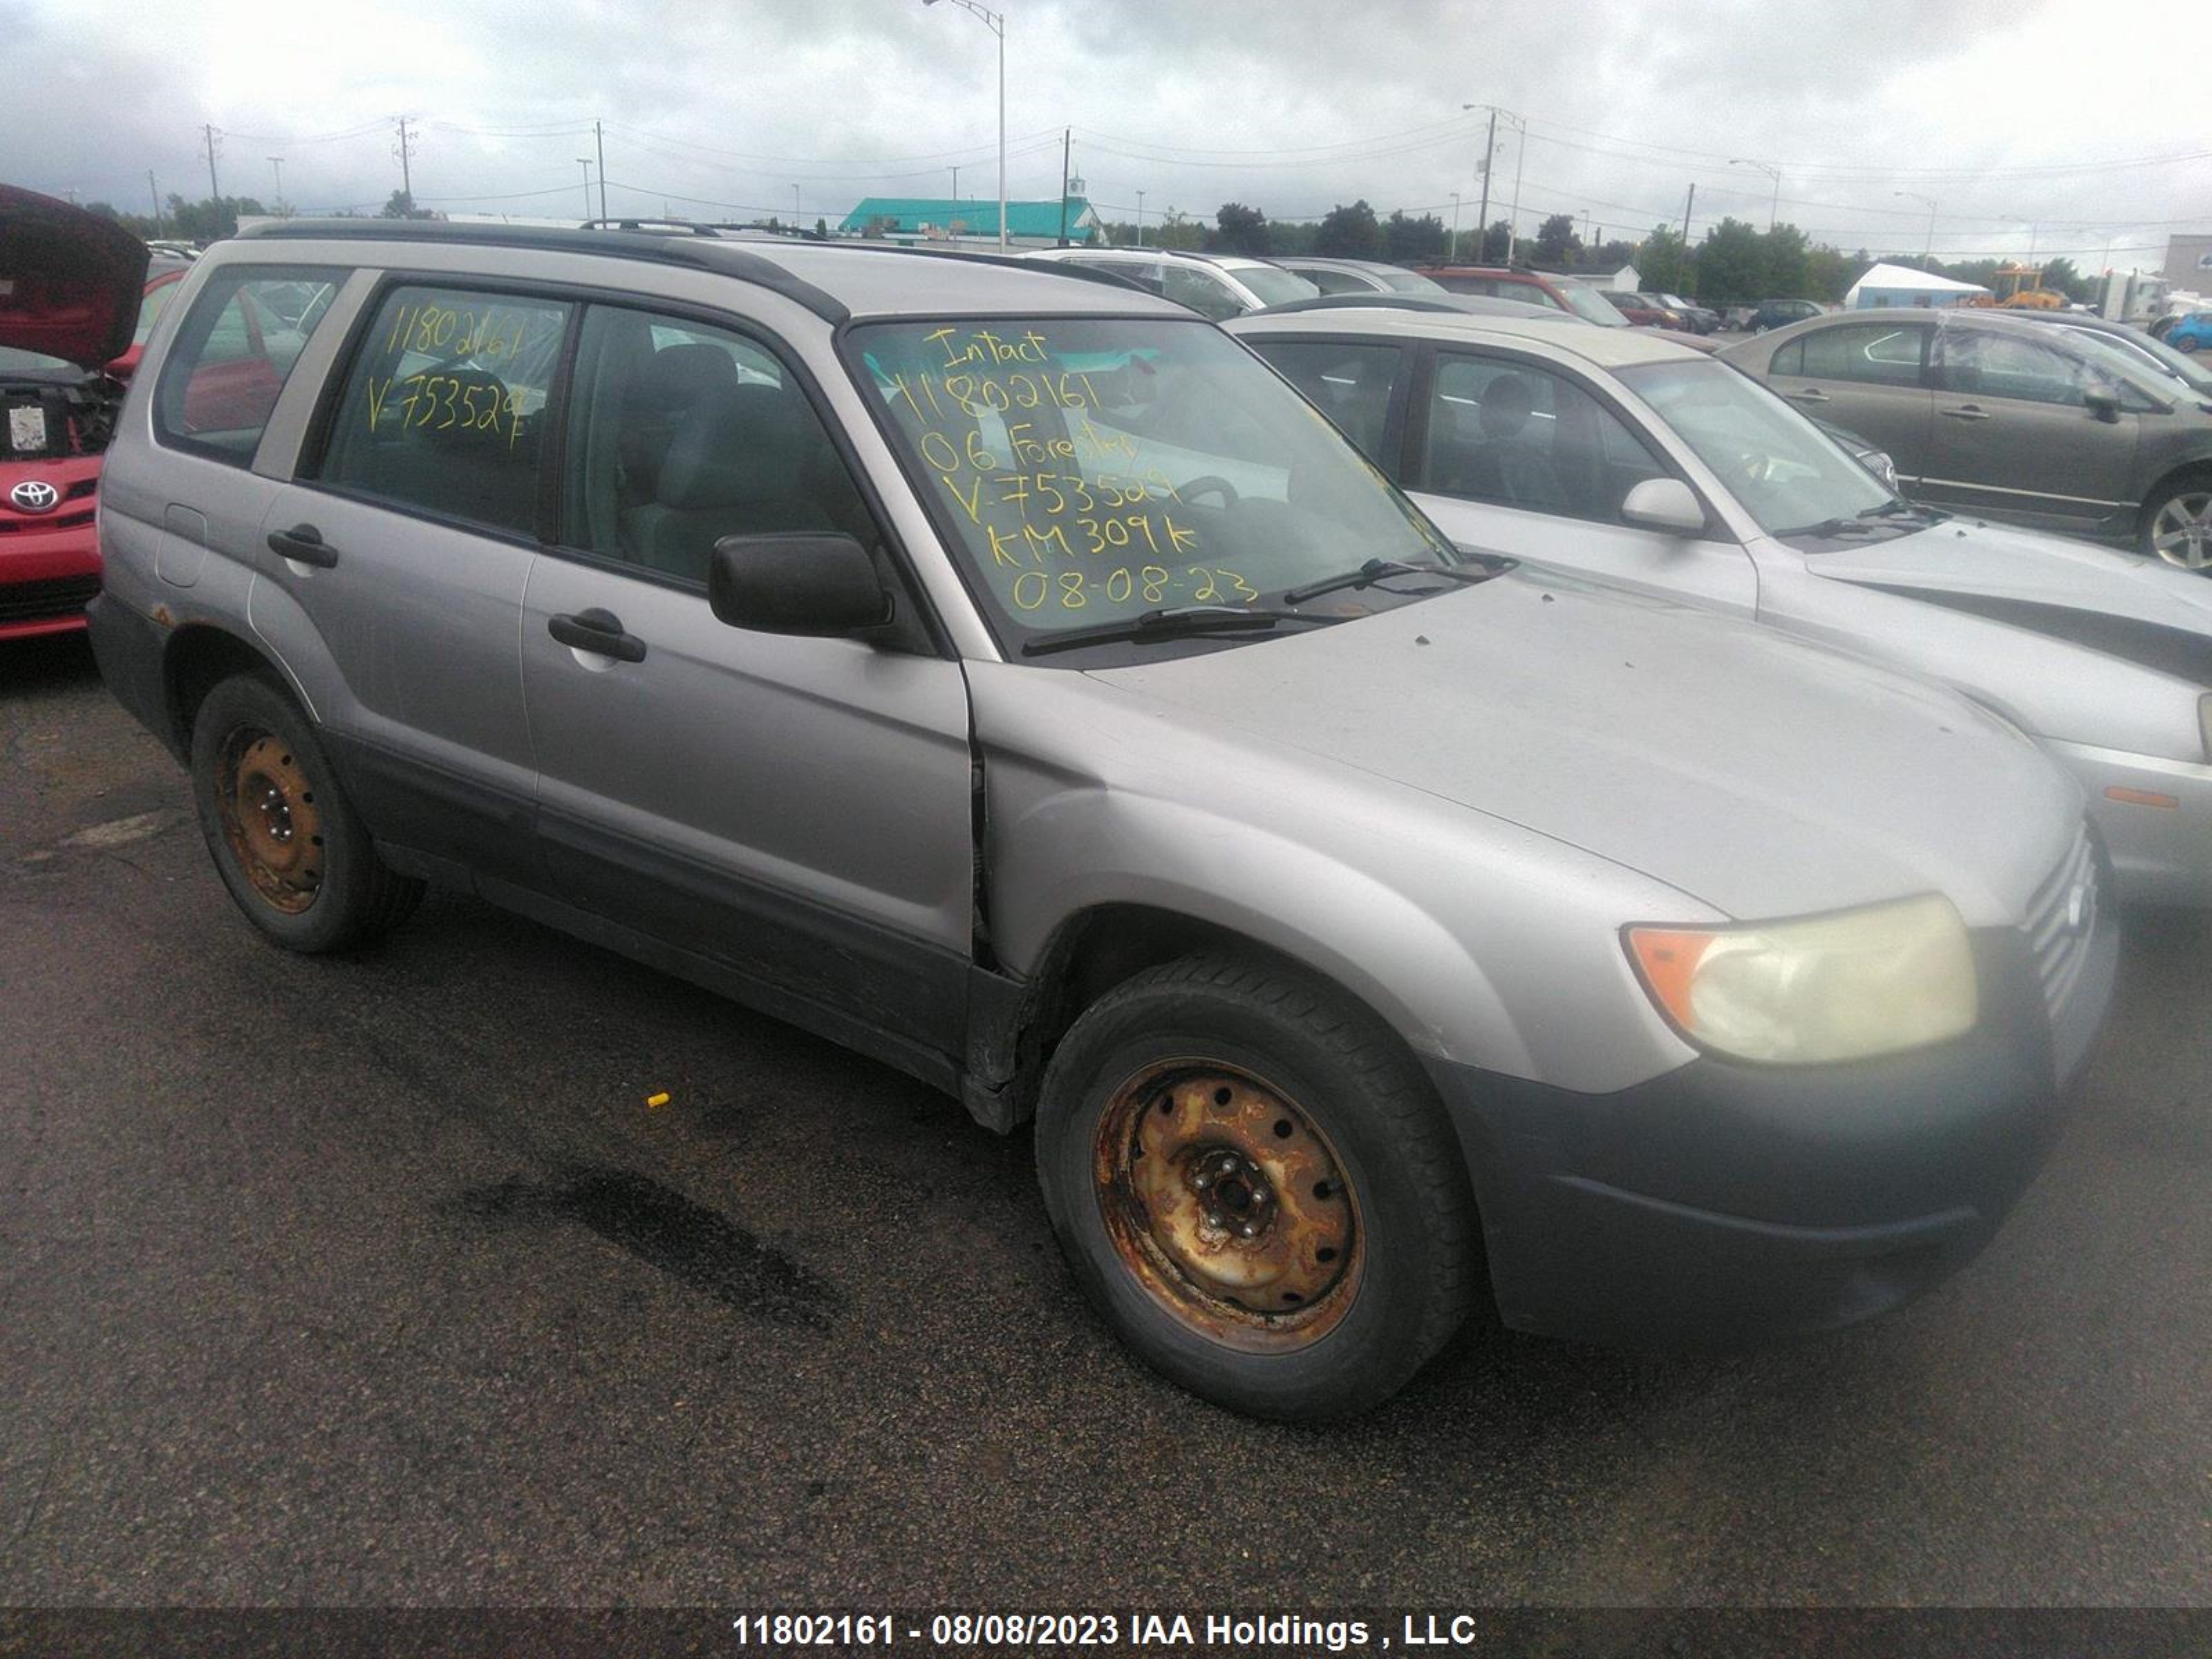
[215,190]
[1454,258]
[1686,206]
[1141,218]
[1066,138]
[1513,223]
[404,151]
[599,144]
[155,194]
[956,195]
[584,163]
[277,162]
[1482,218]
[1928,250]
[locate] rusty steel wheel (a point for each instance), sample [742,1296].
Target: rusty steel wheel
[270,819]
[1228,1205]
[290,847]
[1256,1185]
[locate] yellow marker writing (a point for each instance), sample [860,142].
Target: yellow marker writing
[660,1099]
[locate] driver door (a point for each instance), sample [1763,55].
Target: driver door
[1510,456]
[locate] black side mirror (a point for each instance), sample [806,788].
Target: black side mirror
[815,583]
[2103,404]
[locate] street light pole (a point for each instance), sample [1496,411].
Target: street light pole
[277,162]
[1774,211]
[1520,154]
[1929,202]
[1454,237]
[1141,218]
[996,22]
[794,207]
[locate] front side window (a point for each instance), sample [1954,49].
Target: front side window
[1986,364]
[445,407]
[1203,292]
[682,434]
[1350,384]
[1088,469]
[229,360]
[1874,354]
[1786,473]
[1273,285]
[1505,431]
[1334,281]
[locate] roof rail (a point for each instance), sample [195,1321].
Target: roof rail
[709,251]
[1015,262]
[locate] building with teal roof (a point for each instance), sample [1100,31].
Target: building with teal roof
[914,219]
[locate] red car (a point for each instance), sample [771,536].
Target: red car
[1544,288]
[69,289]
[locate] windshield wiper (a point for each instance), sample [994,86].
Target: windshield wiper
[1898,507]
[1175,622]
[1375,569]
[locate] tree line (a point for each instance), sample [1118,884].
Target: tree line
[1733,263]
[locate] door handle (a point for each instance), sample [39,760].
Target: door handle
[597,630]
[304,542]
[1812,394]
[1965,412]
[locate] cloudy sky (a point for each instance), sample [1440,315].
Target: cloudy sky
[2080,126]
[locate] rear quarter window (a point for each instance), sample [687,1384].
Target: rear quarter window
[233,355]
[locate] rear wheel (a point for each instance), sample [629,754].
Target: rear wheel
[2184,342]
[1254,1184]
[283,835]
[2178,524]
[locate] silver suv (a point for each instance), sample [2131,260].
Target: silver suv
[1008,675]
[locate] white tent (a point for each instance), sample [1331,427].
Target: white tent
[1902,285]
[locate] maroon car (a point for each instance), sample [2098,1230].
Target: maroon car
[1641,309]
[1569,294]
[69,289]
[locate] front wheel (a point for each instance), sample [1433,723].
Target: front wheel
[2177,524]
[1255,1185]
[284,838]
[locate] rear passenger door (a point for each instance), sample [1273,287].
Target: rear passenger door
[404,550]
[796,810]
[1870,377]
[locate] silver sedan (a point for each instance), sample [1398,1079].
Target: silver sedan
[1619,456]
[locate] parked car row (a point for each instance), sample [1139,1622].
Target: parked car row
[1593,883]
[2020,419]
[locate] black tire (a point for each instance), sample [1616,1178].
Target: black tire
[1361,1105]
[296,856]
[2187,342]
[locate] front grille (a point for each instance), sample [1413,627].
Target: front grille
[57,596]
[14,526]
[2060,926]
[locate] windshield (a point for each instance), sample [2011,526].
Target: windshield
[14,360]
[1089,470]
[2122,360]
[1408,282]
[1788,474]
[1274,285]
[1593,306]
[2178,364]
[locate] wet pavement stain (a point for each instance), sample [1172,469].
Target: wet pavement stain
[662,1228]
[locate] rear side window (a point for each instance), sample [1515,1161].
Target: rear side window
[445,407]
[1876,354]
[1350,384]
[1505,431]
[232,357]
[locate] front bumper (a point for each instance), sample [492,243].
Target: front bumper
[1723,1203]
[49,567]
[2160,854]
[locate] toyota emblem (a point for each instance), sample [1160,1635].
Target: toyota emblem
[35,495]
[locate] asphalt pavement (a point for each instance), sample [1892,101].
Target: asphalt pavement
[377,1280]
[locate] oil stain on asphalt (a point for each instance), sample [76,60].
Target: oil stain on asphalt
[659,1226]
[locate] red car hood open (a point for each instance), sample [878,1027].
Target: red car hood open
[69,281]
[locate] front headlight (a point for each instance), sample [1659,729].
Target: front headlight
[1846,987]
